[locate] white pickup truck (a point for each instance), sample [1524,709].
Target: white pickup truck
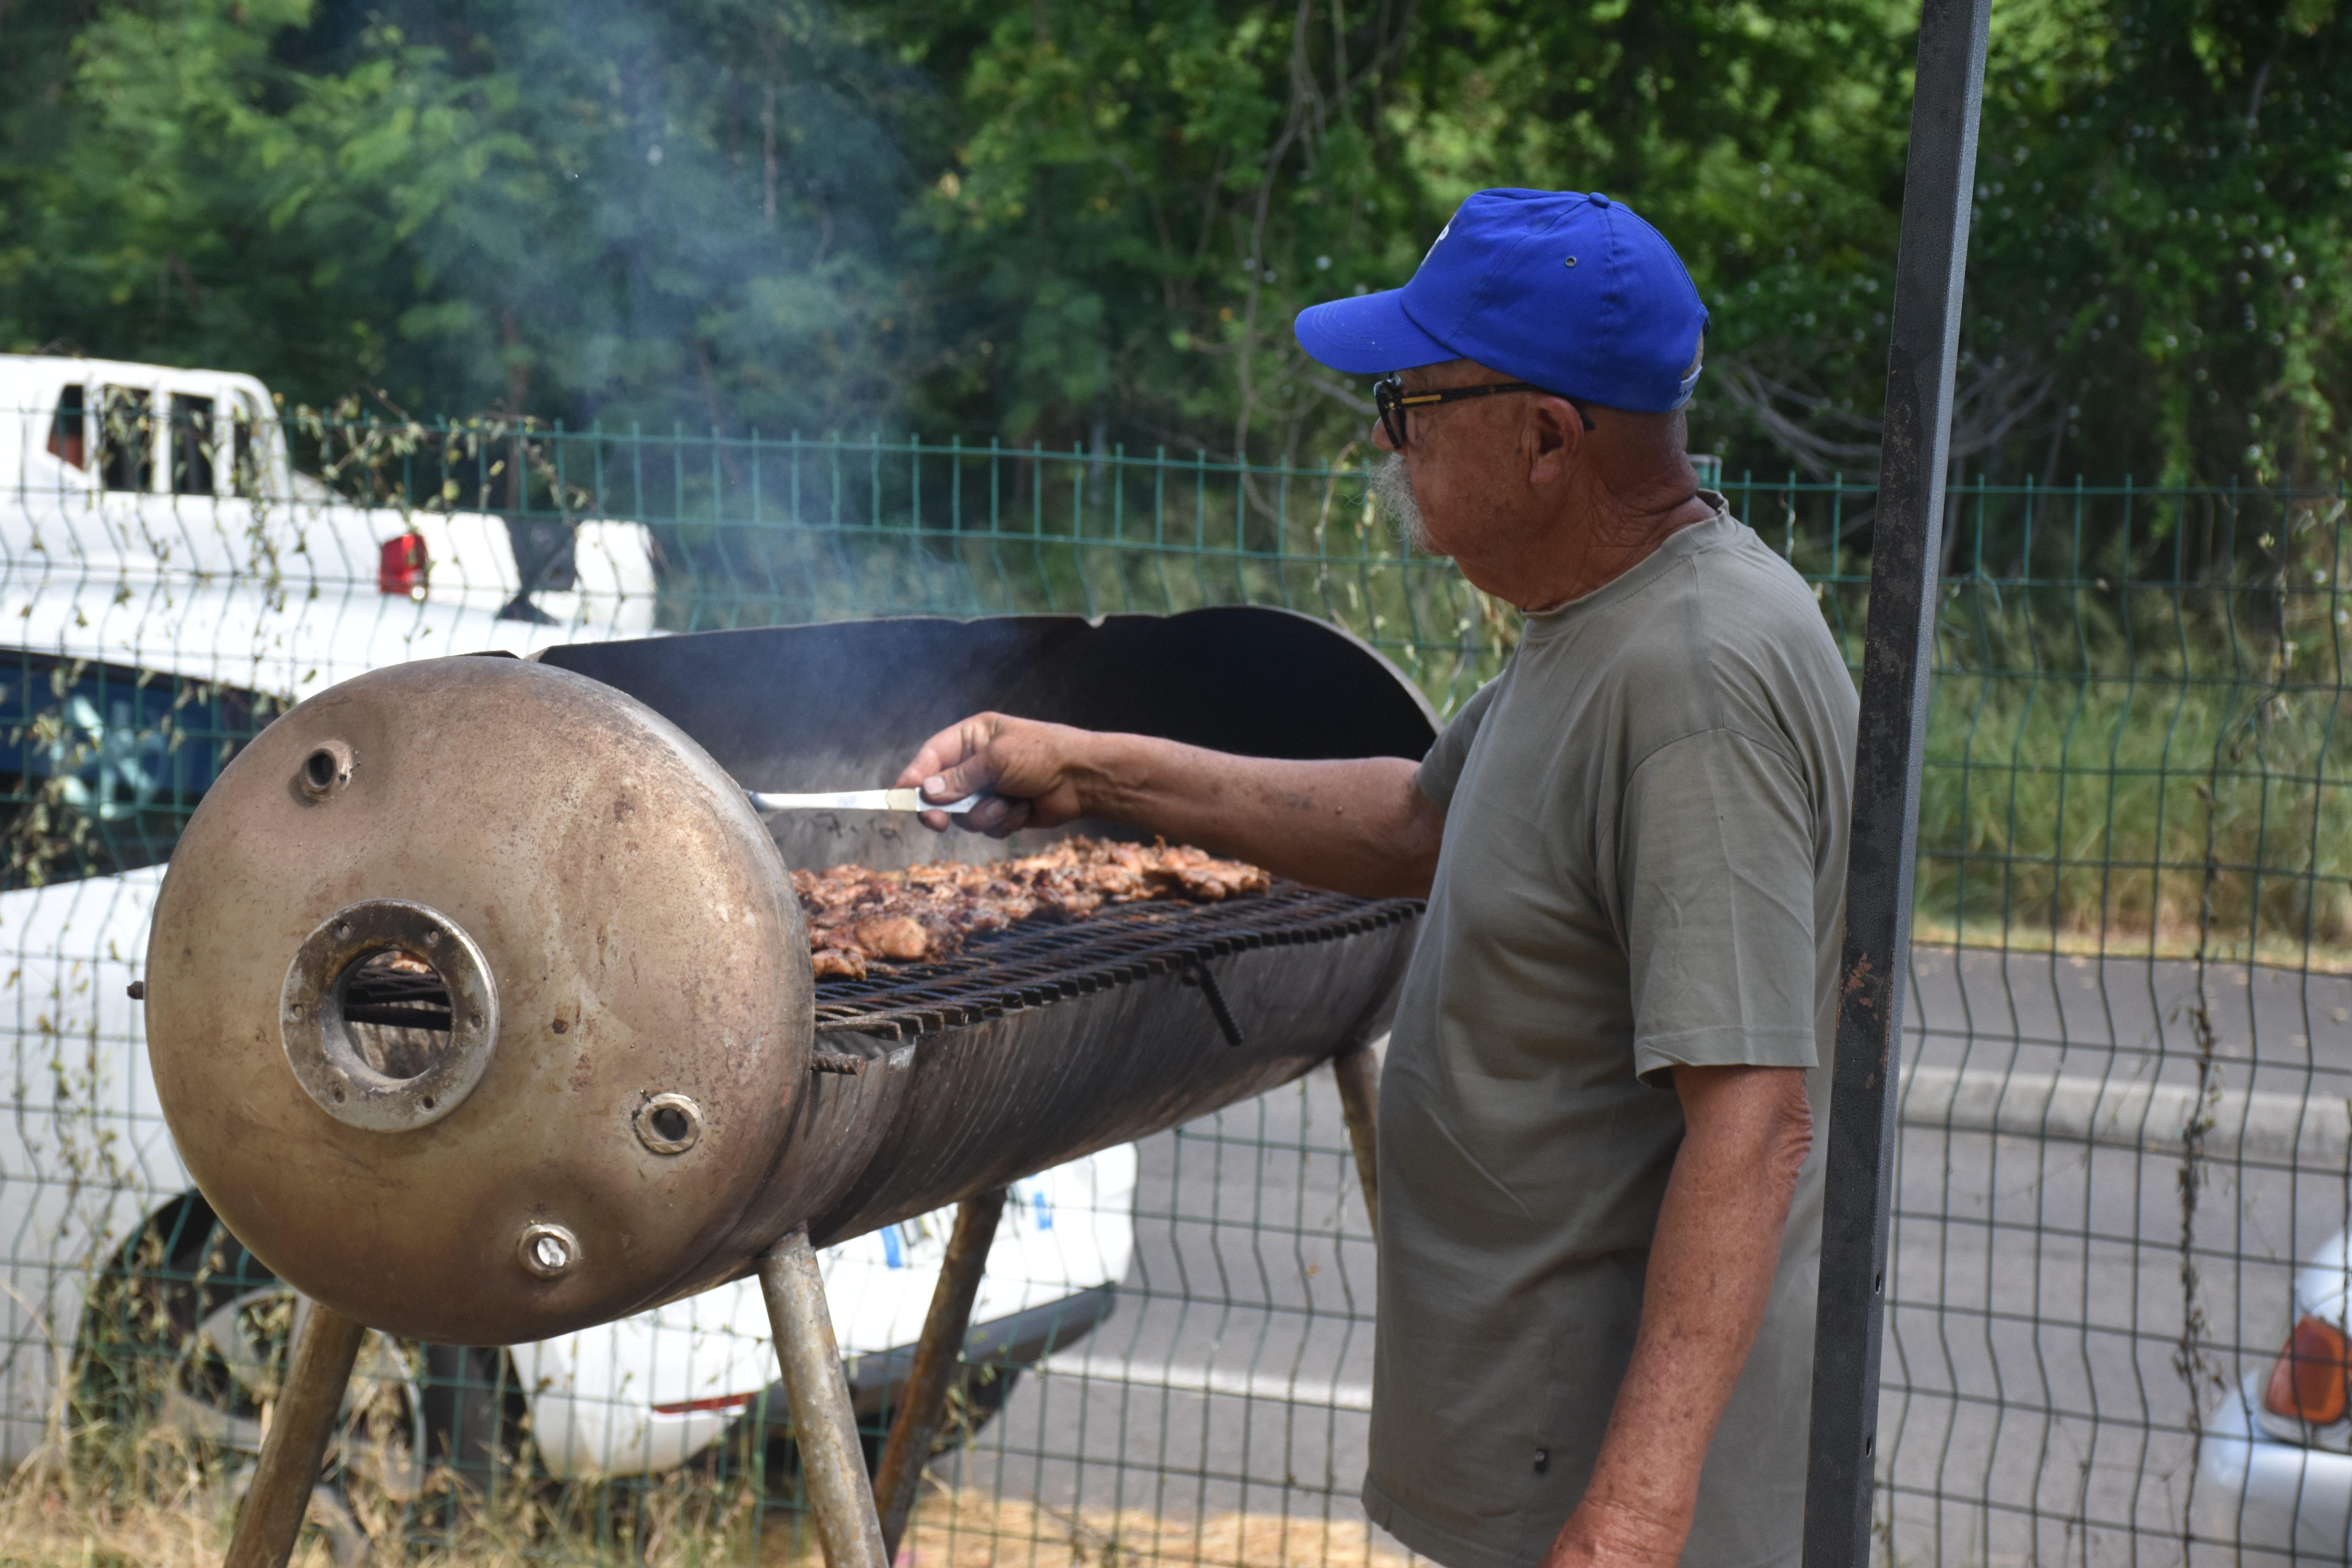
[171,490]
[167,582]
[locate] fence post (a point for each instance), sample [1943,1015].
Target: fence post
[1906,551]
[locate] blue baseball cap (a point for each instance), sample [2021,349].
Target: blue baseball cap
[1569,290]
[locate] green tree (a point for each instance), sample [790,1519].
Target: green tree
[1095,223]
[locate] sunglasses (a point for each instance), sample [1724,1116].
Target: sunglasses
[1392,399]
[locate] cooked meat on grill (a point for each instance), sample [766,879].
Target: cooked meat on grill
[925,912]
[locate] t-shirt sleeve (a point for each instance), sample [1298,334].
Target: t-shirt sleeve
[1717,870]
[1441,770]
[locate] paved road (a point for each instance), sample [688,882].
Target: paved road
[2040,1392]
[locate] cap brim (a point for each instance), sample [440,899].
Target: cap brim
[1368,335]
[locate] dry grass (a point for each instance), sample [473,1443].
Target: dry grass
[48,1521]
[970,1529]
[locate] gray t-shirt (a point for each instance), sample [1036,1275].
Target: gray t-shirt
[1643,865]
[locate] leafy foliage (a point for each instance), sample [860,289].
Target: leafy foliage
[1068,222]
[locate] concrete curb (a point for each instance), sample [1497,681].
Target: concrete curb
[2263,1126]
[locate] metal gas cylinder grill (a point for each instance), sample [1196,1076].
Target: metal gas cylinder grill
[480,1005]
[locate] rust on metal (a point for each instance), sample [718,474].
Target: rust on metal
[375,1063]
[296,1444]
[922,1404]
[824,1422]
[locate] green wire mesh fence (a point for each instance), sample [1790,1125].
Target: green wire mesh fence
[2126,1124]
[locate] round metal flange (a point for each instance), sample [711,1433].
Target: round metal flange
[327,1057]
[668,1123]
[326,769]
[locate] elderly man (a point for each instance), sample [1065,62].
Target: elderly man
[1600,1217]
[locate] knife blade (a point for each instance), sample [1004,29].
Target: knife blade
[860,800]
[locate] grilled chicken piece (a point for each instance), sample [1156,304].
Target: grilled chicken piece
[925,912]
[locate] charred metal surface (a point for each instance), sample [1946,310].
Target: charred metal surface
[1906,547]
[301,1425]
[1358,1073]
[923,1402]
[825,1424]
[640,935]
[1040,963]
[843,706]
[1199,973]
[843,1062]
[936,1119]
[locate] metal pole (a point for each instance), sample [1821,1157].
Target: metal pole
[326,1345]
[1907,548]
[922,1405]
[825,1427]
[1358,1072]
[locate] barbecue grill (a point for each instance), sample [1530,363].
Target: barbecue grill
[480,1005]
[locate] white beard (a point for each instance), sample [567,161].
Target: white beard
[1393,496]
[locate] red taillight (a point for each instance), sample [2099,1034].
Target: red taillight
[2307,1383]
[404,566]
[727,1404]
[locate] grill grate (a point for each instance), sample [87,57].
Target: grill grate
[1032,964]
[1037,963]
[396,999]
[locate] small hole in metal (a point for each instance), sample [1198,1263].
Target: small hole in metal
[339,1097]
[670,1123]
[318,770]
[343,933]
[427,1102]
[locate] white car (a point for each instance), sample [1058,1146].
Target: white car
[2277,1474]
[167,583]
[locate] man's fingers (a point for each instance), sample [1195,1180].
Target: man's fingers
[1001,816]
[997,816]
[951,746]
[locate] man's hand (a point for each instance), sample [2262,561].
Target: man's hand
[1357,825]
[1031,770]
[1746,1132]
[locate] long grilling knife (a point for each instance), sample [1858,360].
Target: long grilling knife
[861,800]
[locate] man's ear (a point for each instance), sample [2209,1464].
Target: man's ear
[1553,438]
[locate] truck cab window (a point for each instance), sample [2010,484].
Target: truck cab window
[126,439]
[69,439]
[100,765]
[192,445]
[245,449]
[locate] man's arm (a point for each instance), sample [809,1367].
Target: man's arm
[1747,1131]
[1359,826]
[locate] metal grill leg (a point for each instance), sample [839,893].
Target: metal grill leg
[296,1446]
[824,1424]
[922,1405]
[1357,1071]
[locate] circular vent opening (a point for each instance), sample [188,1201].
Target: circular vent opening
[394,1008]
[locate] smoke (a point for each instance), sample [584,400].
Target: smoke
[661,214]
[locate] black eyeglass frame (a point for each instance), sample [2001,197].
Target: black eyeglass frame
[1391,398]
